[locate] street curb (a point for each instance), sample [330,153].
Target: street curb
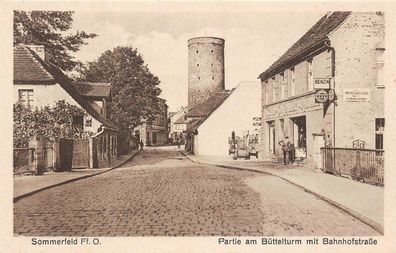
[373,224]
[16,199]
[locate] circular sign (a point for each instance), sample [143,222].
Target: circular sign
[321,96]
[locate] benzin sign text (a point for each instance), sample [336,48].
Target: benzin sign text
[321,83]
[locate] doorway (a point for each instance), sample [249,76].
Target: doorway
[154,138]
[300,137]
[271,137]
[318,142]
[299,132]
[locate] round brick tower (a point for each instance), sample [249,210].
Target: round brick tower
[205,68]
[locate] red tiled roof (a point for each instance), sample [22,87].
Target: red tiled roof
[57,76]
[27,69]
[90,89]
[318,33]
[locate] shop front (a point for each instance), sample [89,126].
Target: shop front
[301,120]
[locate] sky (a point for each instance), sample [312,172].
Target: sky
[253,41]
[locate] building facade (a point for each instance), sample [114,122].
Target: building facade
[39,83]
[235,112]
[154,131]
[345,48]
[177,123]
[205,68]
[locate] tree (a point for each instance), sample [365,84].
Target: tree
[135,89]
[48,28]
[60,120]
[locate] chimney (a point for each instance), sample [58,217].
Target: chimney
[328,14]
[39,50]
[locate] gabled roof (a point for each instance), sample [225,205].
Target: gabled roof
[180,120]
[28,70]
[90,89]
[205,108]
[194,124]
[202,111]
[55,74]
[318,33]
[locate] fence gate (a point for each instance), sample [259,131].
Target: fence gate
[80,154]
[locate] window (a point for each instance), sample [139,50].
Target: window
[266,94]
[292,85]
[211,51]
[211,65]
[197,51]
[197,64]
[25,97]
[379,62]
[212,77]
[273,99]
[88,122]
[78,122]
[199,78]
[282,84]
[310,75]
[379,133]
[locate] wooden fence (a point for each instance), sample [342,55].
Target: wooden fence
[365,165]
[23,161]
[80,154]
[44,154]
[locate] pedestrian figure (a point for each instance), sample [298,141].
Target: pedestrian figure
[292,153]
[141,145]
[285,148]
[178,143]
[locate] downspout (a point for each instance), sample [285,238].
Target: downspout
[330,48]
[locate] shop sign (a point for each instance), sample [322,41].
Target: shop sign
[321,83]
[256,121]
[321,96]
[357,95]
[358,144]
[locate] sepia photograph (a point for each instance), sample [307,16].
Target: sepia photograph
[189,122]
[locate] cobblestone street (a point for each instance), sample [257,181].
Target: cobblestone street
[162,193]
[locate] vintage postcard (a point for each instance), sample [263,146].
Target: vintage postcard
[197,127]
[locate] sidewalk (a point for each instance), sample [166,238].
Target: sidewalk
[27,185]
[363,201]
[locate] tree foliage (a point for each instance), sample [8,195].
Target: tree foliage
[60,120]
[135,89]
[48,28]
